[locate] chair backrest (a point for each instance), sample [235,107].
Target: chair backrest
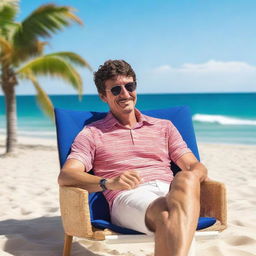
[69,123]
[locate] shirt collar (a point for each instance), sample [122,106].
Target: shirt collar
[110,121]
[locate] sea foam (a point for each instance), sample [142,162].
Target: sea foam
[224,120]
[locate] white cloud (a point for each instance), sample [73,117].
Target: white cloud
[211,76]
[207,67]
[162,69]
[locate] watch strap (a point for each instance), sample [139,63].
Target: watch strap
[102,184]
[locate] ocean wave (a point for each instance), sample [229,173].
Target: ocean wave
[37,133]
[223,120]
[26,133]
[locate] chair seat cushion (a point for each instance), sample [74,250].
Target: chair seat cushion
[203,222]
[102,224]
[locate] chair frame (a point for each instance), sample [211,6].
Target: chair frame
[76,219]
[74,202]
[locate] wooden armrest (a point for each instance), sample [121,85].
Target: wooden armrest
[75,212]
[213,201]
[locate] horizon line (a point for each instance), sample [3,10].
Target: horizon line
[149,93]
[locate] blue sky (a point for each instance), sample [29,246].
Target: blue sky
[173,45]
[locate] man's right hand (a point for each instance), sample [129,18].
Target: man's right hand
[126,181]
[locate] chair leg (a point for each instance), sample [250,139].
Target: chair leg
[67,245]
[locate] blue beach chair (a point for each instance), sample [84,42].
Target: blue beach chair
[87,215]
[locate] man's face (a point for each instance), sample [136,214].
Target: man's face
[125,101]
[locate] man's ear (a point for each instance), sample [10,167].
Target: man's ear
[103,97]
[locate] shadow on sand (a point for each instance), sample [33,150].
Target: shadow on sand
[36,237]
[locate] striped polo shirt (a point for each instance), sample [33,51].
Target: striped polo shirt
[109,148]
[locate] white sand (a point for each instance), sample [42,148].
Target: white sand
[30,221]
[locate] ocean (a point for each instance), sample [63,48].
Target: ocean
[217,117]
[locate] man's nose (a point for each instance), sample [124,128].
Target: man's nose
[124,92]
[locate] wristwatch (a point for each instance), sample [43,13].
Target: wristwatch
[102,184]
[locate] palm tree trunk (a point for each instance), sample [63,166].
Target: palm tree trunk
[11,116]
[8,84]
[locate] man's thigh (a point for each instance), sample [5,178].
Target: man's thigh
[129,208]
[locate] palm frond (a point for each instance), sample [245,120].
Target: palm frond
[5,51]
[45,21]
[34,49]
[42,98]
[8,10]
[13,3]
[53,66]
[42,23]
[73,58]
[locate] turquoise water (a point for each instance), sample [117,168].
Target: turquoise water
[217,117]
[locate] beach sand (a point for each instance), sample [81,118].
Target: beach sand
[30,221]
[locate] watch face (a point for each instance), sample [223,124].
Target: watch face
[102,184]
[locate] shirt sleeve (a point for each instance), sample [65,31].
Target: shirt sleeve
[177,146]
[83,148]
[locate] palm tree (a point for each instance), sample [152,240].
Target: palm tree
[21,56]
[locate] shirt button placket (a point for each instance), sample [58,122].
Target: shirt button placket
[131,133]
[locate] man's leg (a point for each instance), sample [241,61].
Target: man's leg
[174,217]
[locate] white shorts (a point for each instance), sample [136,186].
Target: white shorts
[129,207]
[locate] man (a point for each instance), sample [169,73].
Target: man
[130,154]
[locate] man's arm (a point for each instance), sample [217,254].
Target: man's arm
[188,162]
[73,174]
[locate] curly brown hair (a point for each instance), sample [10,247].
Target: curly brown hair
[109,70]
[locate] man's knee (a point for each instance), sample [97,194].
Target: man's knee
[186,180]
[184,191]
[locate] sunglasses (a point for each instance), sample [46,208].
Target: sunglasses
[130,87]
